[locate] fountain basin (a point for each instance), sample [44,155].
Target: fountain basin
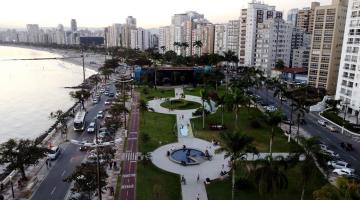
[187,156]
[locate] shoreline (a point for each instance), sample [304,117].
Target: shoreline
[93,61]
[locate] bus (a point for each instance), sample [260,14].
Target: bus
[79,121]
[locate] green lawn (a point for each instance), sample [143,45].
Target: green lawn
[160,128]
[150,93]
[221,189]
[180,104]
[261,135]
[196,91]
[155,184]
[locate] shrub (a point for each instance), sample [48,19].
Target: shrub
[198,112]
[145,137]
[255,123]
[243,184]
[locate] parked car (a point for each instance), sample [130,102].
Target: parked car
[108,102]
[95,101]
[343,172]
[286,121]
[270,108]
[54,152]
[339,164]
[322,122]
[330,153]
[111,94]
[92,127]
[347,146]
[100,114]
[323,147]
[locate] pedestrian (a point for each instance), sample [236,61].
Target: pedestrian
[112,193]
[110,164]
[198,196]
[47,163]
[198,178]
[183,180]
[223,166]
[114,165]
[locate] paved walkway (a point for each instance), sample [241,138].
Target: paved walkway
[128,180]
[208,169]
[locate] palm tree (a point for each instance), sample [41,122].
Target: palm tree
[80,96]
[198,44]
[273,119]
[143,107]
[232,102]
[177,45]
[221,102]
[236,145]
[117,109]
[269,176]
[204,98]
[185,45]
[61,118]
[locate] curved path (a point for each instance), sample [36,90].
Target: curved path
[208,169]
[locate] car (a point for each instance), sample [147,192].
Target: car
[102,90]
[329,152]
[106,93]
[54,152]
[108,102]
[111,94]
[286,121]
[283,99]
[263,103]
[339,164]
[331,128]
[323,147]
[322,122]
[343,172]
[92,127]
[95,101]
[270,108]
[100,114]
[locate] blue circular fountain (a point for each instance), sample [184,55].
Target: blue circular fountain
[187,156]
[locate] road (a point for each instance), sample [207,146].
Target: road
[128,181]
[53,187]
[327,137]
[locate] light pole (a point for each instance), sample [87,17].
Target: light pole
[345,105]
[12,187]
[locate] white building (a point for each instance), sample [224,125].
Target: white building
[292,16]
[220,38]
[256,13]
[32,33]
[348,84]
[232,36]
[273,43]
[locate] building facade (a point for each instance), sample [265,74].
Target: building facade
[326,45]
[305,18]
[348,87]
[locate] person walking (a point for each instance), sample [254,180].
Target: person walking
[198,178]
[198,196]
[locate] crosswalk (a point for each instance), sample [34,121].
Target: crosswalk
[130,156]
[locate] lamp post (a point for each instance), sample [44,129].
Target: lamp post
[345,105]
[12,187]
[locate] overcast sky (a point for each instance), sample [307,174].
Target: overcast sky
[101,13]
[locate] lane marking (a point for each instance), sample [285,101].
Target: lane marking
[352,157]
[53,190]
[62,174]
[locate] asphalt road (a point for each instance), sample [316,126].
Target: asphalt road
[327,137]
[128,181]
[53,187]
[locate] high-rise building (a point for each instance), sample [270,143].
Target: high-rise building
[273,43]
[115,36]
[73,25]
[305,18]
[325,54]
[242,36]
[232,36]
[300,40]
[164,39]
[131,21]
[292,16]
[60,35]
[256,13]
[300,57]
[220,39]
[33,33]
[348,87]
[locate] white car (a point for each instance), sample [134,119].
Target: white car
[108,102]
[329,152]
[270,108]
[331,128]
[338,164]
[323,147]
[343,172]
[54,152]
[91,128]
[322,122]
[95,101]
[100,114]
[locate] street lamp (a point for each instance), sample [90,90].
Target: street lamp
[345,105]
[12,186]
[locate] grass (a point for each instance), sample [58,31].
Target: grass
[221,189]
[150,93]
[155,184]
[180,104]
[246,117]
[160,129]
[196,91]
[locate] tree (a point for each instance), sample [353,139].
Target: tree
[270,177]
[333,104]
[163,48]
[61,118]
[273,119]
[81,96]
[204,98]
[143,107]
[235,145]
[279,64]
[327,192]
[20,154]
[221,102]
[349,188]
[85,180]
[117,109]
[232,102]
[198,44]
[185,45]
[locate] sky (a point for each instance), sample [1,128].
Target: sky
[101,13]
